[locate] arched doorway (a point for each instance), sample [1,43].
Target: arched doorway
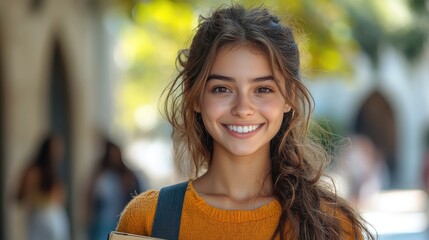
[376,120]
[59,113]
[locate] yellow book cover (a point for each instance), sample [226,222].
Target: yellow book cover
[127,236]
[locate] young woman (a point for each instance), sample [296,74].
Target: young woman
[42,192]
[240,115]
[110,189]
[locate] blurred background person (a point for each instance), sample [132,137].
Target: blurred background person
[42,193]
[363,171]
[112,186]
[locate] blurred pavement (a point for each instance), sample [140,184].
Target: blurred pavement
[399,214]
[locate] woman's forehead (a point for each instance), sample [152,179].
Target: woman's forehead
[257,50]
[252,47]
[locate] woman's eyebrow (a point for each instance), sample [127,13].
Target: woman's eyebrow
[231,79]
[262,79]
[220,77]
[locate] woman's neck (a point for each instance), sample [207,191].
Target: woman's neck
[236,181]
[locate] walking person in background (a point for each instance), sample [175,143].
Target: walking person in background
[111,188]
[42,193]
[240,115]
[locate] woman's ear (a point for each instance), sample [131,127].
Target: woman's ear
[287,108]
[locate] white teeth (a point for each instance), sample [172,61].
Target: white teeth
[243,129]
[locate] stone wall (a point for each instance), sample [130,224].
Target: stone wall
[29,32]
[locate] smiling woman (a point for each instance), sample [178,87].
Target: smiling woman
[242,107]
[240,114]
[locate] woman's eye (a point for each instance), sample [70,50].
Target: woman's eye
[264,90]
[220,90]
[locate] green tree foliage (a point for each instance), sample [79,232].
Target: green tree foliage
[147,49]
[403,24]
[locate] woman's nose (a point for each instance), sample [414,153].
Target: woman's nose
[243,106]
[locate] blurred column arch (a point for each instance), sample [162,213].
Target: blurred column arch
[59,111]
[2,161]
[375,119]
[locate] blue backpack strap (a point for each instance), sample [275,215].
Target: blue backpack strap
[168,212]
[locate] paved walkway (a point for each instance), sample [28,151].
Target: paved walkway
[400,215]
[409,236]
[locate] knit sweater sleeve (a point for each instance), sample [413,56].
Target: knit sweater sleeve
[137,217]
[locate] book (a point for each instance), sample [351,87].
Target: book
[114,235]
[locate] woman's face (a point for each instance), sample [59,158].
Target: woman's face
[242,106]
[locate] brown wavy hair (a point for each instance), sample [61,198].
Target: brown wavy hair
[297,161]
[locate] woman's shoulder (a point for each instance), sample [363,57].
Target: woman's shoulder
[137,216]
[145,199]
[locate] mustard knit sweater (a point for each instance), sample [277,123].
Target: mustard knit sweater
[202,221]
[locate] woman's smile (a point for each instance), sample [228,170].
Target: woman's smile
[242,130]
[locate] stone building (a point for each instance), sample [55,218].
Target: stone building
[390,104]
[53,77]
